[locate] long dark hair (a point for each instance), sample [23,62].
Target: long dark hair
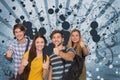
[78,48]
[32,52]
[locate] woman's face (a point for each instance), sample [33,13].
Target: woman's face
[19,34]
[75,37]
[39,43]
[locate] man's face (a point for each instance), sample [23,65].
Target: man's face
[57,39]
[19,34]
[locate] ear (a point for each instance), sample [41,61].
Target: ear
[24,32]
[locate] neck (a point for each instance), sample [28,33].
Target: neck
[39,52]
[21,41]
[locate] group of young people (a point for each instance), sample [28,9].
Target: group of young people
[32,62]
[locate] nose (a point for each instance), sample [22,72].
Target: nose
[56,39]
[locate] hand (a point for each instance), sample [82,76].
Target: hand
[82,44]
[45,65]
[9,52]
[56,51]
[24,62]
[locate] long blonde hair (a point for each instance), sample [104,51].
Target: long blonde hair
[77,48]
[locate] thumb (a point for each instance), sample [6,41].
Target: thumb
[44,61]
[59,44]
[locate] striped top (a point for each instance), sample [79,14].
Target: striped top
[57,65]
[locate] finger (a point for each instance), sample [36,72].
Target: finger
[59,44]
[9,49]
[54,50]
[44,61]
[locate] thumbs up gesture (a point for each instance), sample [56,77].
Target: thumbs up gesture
[56,50]
[82,44]
[9,52]
[45,65]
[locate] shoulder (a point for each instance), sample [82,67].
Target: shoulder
[26,54]
[52,55]
[14,43]
[47,57]
[71,50]
[31,42]
[28,39]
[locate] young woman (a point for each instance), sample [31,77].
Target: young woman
[32,61]
[77,43]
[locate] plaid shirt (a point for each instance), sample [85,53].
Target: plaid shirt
[18,52]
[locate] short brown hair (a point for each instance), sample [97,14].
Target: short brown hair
[56,31]
[19,26]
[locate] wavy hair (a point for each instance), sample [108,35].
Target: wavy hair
[77,48]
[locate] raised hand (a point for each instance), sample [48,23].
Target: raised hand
[82,44]
[56,50]
[84,47]
[45,65]
[9,53]
[24,62]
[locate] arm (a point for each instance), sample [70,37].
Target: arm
[84,48]
[67,56]
[8,55]
[22,65]
[50,73]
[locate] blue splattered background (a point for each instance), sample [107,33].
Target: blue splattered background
[98,21]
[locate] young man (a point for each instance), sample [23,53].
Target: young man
[60,52]
[18,46]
